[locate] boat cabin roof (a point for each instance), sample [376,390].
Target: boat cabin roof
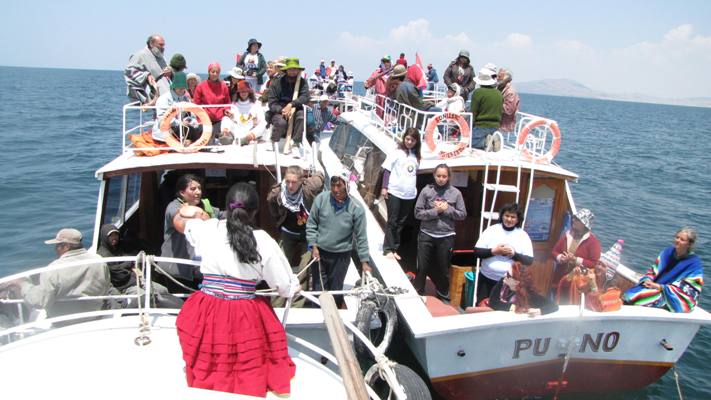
[227,157]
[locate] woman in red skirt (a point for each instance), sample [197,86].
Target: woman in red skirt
[231,339]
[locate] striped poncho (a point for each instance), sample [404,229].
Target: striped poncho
[681,282]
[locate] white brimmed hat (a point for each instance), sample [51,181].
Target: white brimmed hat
[485,77]
[66,235]
[237,73]
[323,97]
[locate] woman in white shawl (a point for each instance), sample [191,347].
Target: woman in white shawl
[454,101]
[244,121]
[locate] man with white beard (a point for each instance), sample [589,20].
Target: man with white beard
[151,58]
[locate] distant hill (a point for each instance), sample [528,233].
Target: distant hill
[571,88]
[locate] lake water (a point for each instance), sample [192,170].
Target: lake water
[644,171]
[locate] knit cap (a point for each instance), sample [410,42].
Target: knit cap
[180,81]
[177,62]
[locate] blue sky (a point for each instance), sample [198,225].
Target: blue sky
[660,48]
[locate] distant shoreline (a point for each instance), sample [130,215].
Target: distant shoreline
[522,89]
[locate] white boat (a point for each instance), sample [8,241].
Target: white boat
[504,354]
[134,351]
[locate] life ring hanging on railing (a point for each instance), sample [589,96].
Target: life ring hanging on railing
[547,157]
[464,130]
[202,117]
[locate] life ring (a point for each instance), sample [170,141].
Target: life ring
[201,115]
[465,133]
[381,337]
[555,145]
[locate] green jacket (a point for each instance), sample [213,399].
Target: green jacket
[335,231]
[487,107]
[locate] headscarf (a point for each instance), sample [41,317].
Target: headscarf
[214,64]
[415,75]
[292,201]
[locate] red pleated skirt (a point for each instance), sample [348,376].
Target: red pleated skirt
[236,346]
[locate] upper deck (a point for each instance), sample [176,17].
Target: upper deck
[255,155]
[384,121]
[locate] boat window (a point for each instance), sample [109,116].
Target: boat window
[133,191]
[112,200]
[539,213]
[349,144]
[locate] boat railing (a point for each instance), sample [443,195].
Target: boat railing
[12,304]
[534,138]
[141,119]
[394,118]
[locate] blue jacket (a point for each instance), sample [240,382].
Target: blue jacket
[432,76]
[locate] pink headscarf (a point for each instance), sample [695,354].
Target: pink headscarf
[415,75]
[212,65]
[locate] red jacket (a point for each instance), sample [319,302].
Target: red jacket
[588,253]
[209,92]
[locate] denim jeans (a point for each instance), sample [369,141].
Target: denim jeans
[479,137]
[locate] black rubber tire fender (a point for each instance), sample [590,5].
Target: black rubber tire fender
[383,336]
[414,386]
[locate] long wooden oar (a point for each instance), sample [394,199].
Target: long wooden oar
[290,128]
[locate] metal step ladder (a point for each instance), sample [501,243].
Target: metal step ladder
[495,187]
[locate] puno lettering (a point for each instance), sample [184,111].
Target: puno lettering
[605,341]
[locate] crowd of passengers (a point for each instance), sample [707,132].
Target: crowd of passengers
[320,231]
[253,96]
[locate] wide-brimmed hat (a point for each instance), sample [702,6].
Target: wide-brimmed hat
[323,97]
[485,77]
[180,81]
[399,71]
[236,72]
[464,53]
[291,63]
[253,41]
[585,216]
[243,86]
[66,235]
[491,66]
[280,62]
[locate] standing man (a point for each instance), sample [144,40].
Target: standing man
[335,222]
[461,72]
[289,204]
[432,77]
[150,59]
[92,279]
[284,104]
[487,107]
[378,81]
[402,60]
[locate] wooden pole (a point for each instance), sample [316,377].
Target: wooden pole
[350,370]
[287,142]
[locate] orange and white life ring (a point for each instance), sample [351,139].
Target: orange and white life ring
[202,117]
[465,133]
[555,145]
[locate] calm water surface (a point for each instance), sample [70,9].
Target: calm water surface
[644,171]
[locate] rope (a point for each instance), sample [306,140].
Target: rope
[144,328]
[170,277]
[678,384]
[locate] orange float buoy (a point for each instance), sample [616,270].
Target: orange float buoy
[464,130]
[555,145]
[201,115]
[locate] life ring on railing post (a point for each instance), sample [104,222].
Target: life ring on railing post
[555,145]
[202,117]
[465,133]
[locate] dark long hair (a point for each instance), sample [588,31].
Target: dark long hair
[241,205]
[415,133]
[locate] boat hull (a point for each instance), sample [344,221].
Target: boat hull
[526,357]
[582,376]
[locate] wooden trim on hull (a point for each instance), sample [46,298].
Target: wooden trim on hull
[540,379]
